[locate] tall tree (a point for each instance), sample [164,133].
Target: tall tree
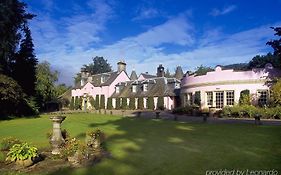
[259,61]
[150,103]
[276,44]
[132,103]
[109,104]
[24,68]
[13,19]
[202,70]
[140,103]
[99,65]
[102,102]
[45,84]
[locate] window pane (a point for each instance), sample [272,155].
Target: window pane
[262,97]
[209,98]
[229,97]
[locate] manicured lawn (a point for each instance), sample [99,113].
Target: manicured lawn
[144,146]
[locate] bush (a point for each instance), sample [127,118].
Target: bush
[132,103]
[183,110]
[140,103]
[92,102]
[22,152]
[102,102]
[72,103]
[124,104]
[109,104]
[150,103]
[245,98]
[160,103]
[197,98]
[276,93]
[95,139]
[117,104]
[71,147]
[97,104]
[8,142]
[2,157]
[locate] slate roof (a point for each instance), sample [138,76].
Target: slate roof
[133,75]
[147,76]
[159,86]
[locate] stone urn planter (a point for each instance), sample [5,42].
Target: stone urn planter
[57,139]
[24,163]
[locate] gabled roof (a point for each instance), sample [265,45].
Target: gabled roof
[133,75]
[159,86]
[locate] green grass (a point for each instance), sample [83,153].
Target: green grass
[144,146]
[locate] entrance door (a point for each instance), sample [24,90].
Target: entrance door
[219,99]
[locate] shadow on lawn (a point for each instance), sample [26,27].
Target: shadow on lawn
[145,146]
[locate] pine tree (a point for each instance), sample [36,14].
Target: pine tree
[97,104]
[72,103]
[160,103]
[80,102]
[102,102]
[117,105]
[109,104]
[124,104]
[25,65]
[150,103]
[140,103]
[132,103]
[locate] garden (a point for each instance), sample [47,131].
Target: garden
[129,145]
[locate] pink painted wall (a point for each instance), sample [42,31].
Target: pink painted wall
[252,80]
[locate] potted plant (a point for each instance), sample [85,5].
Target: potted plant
[22,154]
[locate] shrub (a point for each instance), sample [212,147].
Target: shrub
[150,103]
[71,147]
[117,104]
[197,98]
[97,104]
[160,103]
[92,102]
[124,104]
[102,102]
[183,110]
[132,103]
[77,104]
[2,157]
[21,152]
[95,139]
[8,142]
[276,92]
[72,103]
[245,97]
[109,104]
[140,103]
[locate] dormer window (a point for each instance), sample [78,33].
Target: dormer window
[145,86]
[134,88]
[117,89]
[102,79]
[177,85]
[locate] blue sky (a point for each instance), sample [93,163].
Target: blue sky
[148,33]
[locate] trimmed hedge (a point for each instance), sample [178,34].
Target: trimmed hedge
[251,111]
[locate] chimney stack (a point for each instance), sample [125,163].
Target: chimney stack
[121,65]
[160,71]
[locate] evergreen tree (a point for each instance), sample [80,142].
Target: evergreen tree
[117,105]
[160,103]
[80,102]
[97,104]
[102,102]
[72,103]
[150,103]
[13,19]
[132,103]
[140,103]
[25,65]
[109,104]
[124,104]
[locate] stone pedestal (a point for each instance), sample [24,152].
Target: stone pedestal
[57,139]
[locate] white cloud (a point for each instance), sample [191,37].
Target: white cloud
[146,13]
[223,11]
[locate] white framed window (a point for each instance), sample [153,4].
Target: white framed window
[209,98]
[262,97]
[117,89]
[145,87]
[189,98]
[230,98]
[134,88]
[219,99]
[102,79]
